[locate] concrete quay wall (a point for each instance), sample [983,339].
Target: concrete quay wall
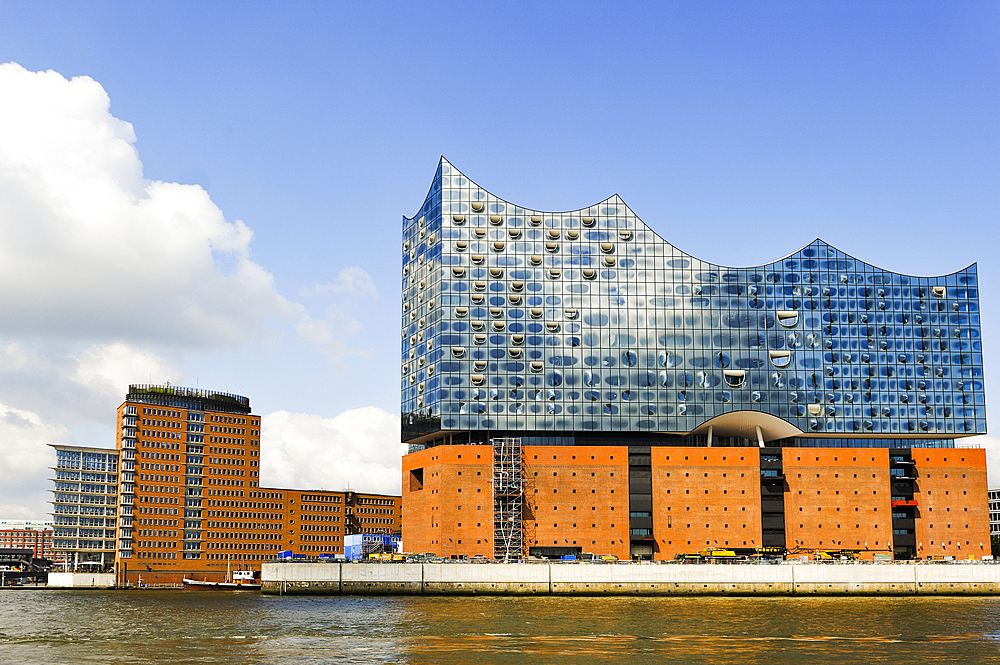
[554,579]
[79,580]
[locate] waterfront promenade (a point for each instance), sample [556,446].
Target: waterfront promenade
[563,579]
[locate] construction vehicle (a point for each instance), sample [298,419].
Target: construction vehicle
[731,554]
[387,556]
[831,554]
[836,555]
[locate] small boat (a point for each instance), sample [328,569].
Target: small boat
[236,585]
[239,580]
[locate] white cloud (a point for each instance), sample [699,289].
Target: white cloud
[109,369]
[25,458]
[12,358]
[331,334]
[992,446]
[352,290]
[91,250]
[359,448]
[108,278]
[76,385]
[352,281]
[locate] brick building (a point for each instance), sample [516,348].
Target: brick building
[188,457]
[29,535]
[181,496]
[572,382]
[578,500]
[318,520]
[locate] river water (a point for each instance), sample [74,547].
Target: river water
[41,627]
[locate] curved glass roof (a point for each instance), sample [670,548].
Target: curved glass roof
[516,319]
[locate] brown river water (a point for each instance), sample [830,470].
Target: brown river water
[41,627]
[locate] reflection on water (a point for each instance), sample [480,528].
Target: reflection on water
[216,627]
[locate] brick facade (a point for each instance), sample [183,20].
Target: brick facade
[952,503]
[578,497]
[705,497]
[838,498]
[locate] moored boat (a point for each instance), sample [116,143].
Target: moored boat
[237,584]
[239,580]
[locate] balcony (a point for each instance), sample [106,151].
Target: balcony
[640,534]
[641,523]
[904,539]
[903,502]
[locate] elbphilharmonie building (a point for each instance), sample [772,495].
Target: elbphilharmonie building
[586,328]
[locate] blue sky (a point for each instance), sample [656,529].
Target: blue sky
[738,132]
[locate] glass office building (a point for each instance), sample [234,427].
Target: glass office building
[563,325]
[613,375]
[85,506]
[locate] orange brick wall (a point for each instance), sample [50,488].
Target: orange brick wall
[838,498]
[419,530]
[453,513]
[372,513]
[158,509]
[231,518]
[566,505]
[952,503]
[255,524]
[314,522]
[578,497]
[705,497]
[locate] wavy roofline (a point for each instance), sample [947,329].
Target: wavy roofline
[444,160]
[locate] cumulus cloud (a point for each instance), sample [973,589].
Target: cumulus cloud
[109,369]
[352,281]
[90,249]
[49,394]
[992,446]
[75,385]
[333,333]
[25,459]
[108,278]
[359,448]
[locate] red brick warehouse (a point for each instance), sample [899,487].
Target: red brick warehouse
[571,382]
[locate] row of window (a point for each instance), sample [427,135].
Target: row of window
[817,276]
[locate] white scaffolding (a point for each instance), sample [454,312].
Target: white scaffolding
[508,499]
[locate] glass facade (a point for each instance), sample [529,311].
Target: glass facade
[85,505]
[587,321]
[994,494]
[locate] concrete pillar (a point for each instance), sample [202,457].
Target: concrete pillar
[760,436]
[709,436]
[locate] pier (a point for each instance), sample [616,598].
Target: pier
[635,579]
